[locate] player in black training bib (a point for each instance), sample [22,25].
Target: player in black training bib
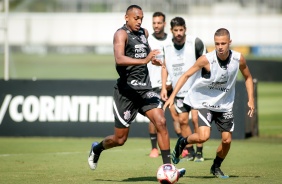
[133,91]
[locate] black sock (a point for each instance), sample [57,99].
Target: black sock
[217,161]
[191,150]
[153,138]
[166,156]
[98,148]
[184,141]
[199,150]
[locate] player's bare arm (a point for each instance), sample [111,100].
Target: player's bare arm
[120,41]
[249,84]
[164,79]
[202,62]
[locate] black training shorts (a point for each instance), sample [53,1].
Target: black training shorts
[127,103]
[223,120]
[181,107]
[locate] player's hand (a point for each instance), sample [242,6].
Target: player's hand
[164,94]
[168,103]
[251,108]
[153,54]
[157,62]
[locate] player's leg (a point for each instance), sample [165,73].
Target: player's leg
[197,137]
[176,124]
[225,124]
[199,146]
[118,139]
[153,138]
[221,153]
[124,113]
[183,117]
[156,116]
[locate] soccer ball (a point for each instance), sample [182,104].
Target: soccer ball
[167,174]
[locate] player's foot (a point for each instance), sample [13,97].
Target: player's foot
[177,151]
[190,156]
[199,157]
[154,153]
[93,158]
[184,153]
[216,171]
[181,172]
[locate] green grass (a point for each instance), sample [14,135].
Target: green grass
[64,160]
[269,109]
[60,66]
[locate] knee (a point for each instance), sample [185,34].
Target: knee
[226,141]
[161,122]
[203,139]
[120,141]
[183,121]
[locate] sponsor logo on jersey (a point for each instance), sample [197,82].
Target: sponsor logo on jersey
[218,86]
[137,83]
[140,51]
[207,105]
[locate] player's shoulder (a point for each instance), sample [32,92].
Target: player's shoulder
[236,55]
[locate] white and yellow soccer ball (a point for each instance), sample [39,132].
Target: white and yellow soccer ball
[167,174]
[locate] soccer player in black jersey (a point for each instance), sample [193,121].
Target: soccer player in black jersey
[133,91]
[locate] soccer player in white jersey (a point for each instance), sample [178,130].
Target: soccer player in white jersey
[180,55]
[213,95]
[157,40]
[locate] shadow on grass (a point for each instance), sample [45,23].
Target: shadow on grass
[147,178]
[230,176]
[151,178]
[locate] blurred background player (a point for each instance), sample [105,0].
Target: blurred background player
[180,55]
[157,40]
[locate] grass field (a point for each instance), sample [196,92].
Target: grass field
[64,160]
[51,160]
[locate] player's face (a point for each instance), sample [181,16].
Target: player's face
[158,24]
[134,19]
[222,44]
[178,33]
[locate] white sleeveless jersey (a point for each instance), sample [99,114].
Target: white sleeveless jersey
[216,93]
[155,72]
[179,61]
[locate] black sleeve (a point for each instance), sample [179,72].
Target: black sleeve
[199,48]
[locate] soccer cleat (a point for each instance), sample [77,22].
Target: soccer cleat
[177,151]
[154,153]
[190,156]
[93,158]
[181,172]
[199,157]
[216,171]
[184,153]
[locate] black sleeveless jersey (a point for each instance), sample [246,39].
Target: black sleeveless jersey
[137,76]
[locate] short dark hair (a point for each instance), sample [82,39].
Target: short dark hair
[133,6]
[222,32]
[159,14]
[177,21]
